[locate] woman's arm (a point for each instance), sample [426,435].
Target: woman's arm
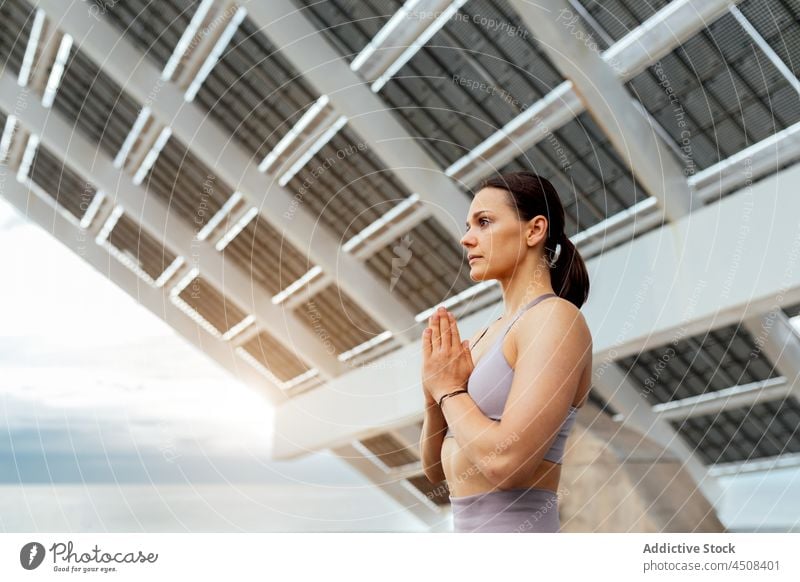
[433,428]
[552,343]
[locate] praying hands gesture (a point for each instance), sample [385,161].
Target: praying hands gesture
[446,360]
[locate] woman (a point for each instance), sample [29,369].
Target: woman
[532,367]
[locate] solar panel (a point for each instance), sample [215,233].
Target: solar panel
[254,92]
[211,304]
[778,22]
[717,94]
[389,450]
[271,260]
[143,249]
[66,186]
[700,364]
[275,357]
[438,493]
[154,27]
[16,21]
[461,88]
[186,185]
[619,17]
[98,107]
[764,430]
[346,186]
[337,320]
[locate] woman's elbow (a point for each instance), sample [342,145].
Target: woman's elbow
[505,473]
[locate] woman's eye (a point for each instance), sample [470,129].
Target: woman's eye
[480,221]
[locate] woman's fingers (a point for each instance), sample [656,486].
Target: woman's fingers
[435,336]
[426,342]
[444,329]
[455,339]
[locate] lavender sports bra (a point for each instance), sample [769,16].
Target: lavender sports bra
[490,383]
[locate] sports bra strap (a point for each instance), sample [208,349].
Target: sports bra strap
[521,311]
[525,308]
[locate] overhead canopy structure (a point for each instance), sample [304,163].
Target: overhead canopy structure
[291,177]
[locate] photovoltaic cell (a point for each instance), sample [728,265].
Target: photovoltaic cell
[254,92]
[713,361]
[717,94]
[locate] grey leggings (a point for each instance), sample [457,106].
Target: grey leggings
[530,510]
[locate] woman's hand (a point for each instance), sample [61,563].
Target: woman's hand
[429,400]
[446,360]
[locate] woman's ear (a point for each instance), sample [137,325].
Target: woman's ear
[536,230]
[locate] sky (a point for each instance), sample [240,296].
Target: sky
[109,421]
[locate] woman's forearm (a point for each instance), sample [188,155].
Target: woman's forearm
[434,427]
[478,436]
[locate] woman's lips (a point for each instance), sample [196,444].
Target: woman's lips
[474,259]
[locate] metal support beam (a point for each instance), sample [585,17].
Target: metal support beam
[616,388]
[390,48]
[425,510]
[93,164]
[731,398]
[660,34]
[214,147]
[761,159]
[623,226]
[691,286]
[765,465]
[604,95]
[775,335]
[750,164]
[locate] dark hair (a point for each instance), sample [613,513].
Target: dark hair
[532,195]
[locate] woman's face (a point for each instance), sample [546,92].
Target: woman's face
[496,236]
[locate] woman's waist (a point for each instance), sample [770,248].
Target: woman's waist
[466,478]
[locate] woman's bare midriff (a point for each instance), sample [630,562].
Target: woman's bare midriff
[464,477]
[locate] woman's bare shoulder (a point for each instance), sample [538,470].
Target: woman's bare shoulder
[556,314]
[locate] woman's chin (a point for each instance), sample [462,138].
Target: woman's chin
[477,273]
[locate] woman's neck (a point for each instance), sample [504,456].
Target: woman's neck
[517,293]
